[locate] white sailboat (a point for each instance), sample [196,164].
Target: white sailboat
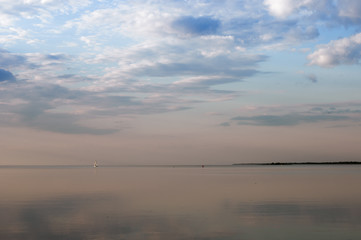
[95,164]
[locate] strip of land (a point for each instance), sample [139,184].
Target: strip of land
[298,163]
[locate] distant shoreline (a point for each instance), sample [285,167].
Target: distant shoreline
[178,166]
[297,163]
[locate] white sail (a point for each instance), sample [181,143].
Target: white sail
[95,164]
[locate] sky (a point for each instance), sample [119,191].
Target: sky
[179,81]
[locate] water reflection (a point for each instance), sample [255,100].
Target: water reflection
[143,203]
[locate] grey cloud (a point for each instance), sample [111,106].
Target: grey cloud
[33,65]
[123,105]
[31,111]
[34,115]
[66,76]
[37,60]
[335,110]
[349,11]
[55,57]
[198,72]
[38,108]
[6,76]
[304,33]
[45,93]
[196,25]
[145,109]
[286,120]
[66,123]
[8,59]
[291,115]
[225,124]
[38,101]
[197,65]
[202,82]
[312,77]
[173,93]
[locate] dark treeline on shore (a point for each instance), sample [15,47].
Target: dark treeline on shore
[301,163]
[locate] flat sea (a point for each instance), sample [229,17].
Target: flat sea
[181,202]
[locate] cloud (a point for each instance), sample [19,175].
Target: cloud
[185,75]
[66,123]
[195,68]
[39,67]
[6,76]
[283,8]
[337,52]
[207,56]
[40,9]
[348,113]
[147,57]
[205,81]
[205,85]
[312,77]
[225,124]
[37,106]
[320,9]
[286,120]
[246,21]
[345,113]
[327,12]
[178,67]
[8,59]
[304,33]
[25,21]
[54,108]
[350,11]
[196,25]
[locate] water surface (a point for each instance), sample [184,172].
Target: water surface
[258,202]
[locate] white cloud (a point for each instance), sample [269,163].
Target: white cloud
[279,8]
[329,12]
[284,8]
[131,19]
[21,20]
[9,35]
[342,51]
[36,8]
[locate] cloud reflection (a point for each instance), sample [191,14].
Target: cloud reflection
[111,217]
[312,212]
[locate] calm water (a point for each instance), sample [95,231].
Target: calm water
[272,202]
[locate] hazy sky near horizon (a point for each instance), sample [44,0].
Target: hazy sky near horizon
[173,82]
